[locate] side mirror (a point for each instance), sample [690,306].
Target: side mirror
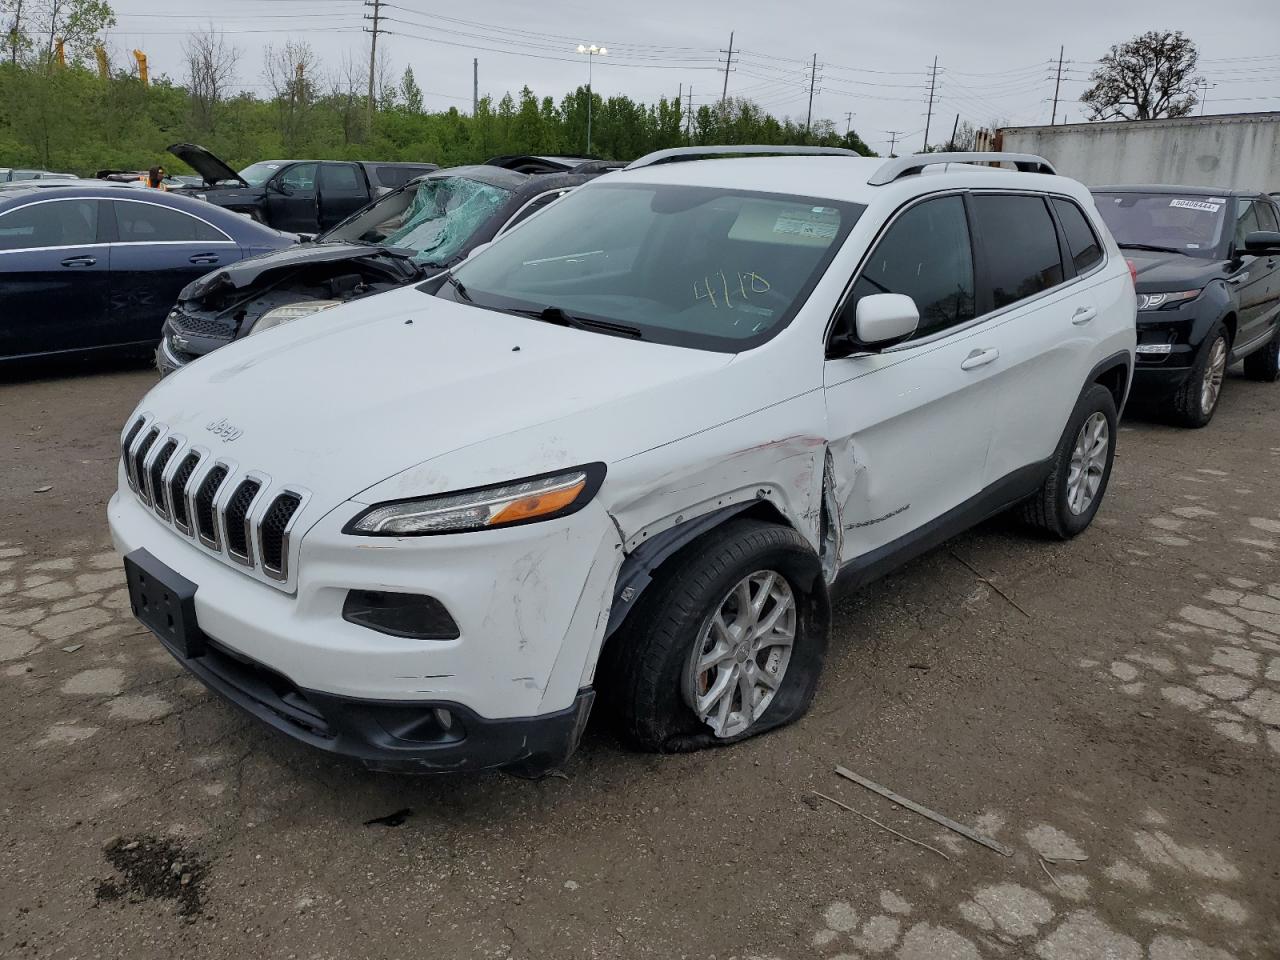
[884,319]
[280,186]
[1262,241]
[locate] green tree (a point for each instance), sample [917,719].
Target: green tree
[410,92]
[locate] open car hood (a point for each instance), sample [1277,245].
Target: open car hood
[246,273]
[212,168]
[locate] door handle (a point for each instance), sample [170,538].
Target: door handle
[979,358]
[79,262]
[204,258]
[1083,315]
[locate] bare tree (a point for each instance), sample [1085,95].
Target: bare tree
[16,13]
[347,90]
[211,69]
[77,23]
[1150,76]
[291,71]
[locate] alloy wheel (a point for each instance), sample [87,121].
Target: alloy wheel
[1088,463]
[742,653]
[1214,371]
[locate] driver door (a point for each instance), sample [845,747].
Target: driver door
[292,202]
[910,425]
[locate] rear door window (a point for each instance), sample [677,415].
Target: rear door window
[60,223]
[150,223]
[340,178]
[926,255]
[1082,243]
[1019,244]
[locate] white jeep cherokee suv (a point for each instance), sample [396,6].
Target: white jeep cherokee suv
[633,446]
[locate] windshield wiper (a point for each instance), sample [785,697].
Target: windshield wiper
[1148,246]
[562,318]
[457,285]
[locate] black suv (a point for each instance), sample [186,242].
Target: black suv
[1207,268]
[408,235]
[300,196]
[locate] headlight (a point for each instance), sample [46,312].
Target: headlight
[1154,301]
[291,312]
[523,501]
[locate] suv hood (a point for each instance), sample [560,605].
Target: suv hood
[246,273]
[212,168]
[342,400]
[1164,272]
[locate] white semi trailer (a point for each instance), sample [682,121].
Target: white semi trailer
[1238,151]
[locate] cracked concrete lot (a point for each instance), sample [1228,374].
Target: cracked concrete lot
[1117,725]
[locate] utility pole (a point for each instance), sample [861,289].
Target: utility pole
[727,64]
[933,83]
[893,139]
[813,78]
[848,123]
[373,50]
[1057,86]
[475,85]
[955,127]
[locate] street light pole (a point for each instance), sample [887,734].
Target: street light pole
[592,52]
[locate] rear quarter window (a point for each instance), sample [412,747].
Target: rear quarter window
[393,177]
[1083,245]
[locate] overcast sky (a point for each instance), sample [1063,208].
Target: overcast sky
[996,59]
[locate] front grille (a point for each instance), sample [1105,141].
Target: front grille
[206,522]
[124,449]
[275,523]
[157,472]
[237,512]
[211,500]
[178,491]
[183,323]
[139,459]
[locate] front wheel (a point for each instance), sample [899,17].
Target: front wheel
[728,643]
[1197,399]
[1073,491]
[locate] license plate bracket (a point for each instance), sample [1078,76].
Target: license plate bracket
[164,602]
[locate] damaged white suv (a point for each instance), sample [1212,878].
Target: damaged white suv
[632,447]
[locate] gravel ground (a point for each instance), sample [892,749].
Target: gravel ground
[1108,708]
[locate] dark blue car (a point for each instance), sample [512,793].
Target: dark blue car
[96,267]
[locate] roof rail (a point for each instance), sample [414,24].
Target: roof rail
[678,154]
[899,167]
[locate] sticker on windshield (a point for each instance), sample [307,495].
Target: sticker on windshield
[1196,205]
[1217,199]
[1193,246]
[805,227]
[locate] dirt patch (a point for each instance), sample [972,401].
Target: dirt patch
[154,868]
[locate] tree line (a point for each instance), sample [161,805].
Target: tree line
[72,116]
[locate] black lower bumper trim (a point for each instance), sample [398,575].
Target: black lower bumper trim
[391,735]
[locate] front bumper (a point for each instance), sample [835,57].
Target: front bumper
[431,736]
[530,604]
[1173,331]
